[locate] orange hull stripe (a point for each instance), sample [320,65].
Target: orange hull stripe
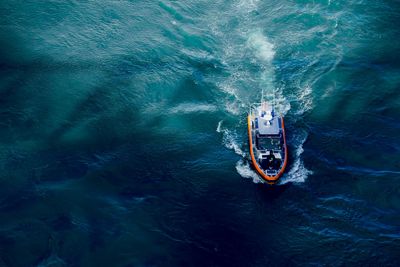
[253,159]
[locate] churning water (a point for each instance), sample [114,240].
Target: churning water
[123,136]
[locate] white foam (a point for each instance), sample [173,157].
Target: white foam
[298,173]
[219,126]
[193,108]
[244,170]
[242,166]
[264,51]
[282,105]
[238,45]
[227,87]
[260,44]
[247,5]
[233,103]
[229,140]
[305,98]
[233,107]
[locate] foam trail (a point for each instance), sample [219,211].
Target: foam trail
[242,166]
[264,52]
[298,173]
[219,126]
[264,49]
[253,42]
[193,108]
[247,5]
[244,170]
[230,142]
[305,98]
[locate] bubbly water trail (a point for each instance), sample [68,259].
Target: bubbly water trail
[230,140]
[243,168]
[263,52]
[219,126]
[193,108]
[297,173]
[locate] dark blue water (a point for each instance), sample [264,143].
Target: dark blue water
[123,133]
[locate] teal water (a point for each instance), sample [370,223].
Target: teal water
[123,133]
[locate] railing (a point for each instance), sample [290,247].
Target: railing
[254,106]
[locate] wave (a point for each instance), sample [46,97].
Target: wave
[245,85]
[230,140]
[297,173]
[193,108]
[243,168]
[219,126]
[305,99]
[264,49]
[247,5]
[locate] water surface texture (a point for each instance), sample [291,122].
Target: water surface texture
[123,138]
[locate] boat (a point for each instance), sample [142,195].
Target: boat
[267,140]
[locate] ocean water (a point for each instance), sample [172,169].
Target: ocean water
[123,133]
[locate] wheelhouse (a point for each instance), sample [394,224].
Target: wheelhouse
[267,141]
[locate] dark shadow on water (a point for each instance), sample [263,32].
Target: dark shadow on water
[269,193]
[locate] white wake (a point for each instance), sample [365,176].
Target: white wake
[247,44]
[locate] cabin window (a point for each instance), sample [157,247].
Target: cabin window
[268,143]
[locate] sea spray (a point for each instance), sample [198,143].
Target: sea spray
[244,86]
[260,44]
[297,172]
[264,52]
[243,168]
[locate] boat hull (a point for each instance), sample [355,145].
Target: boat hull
[267,178]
